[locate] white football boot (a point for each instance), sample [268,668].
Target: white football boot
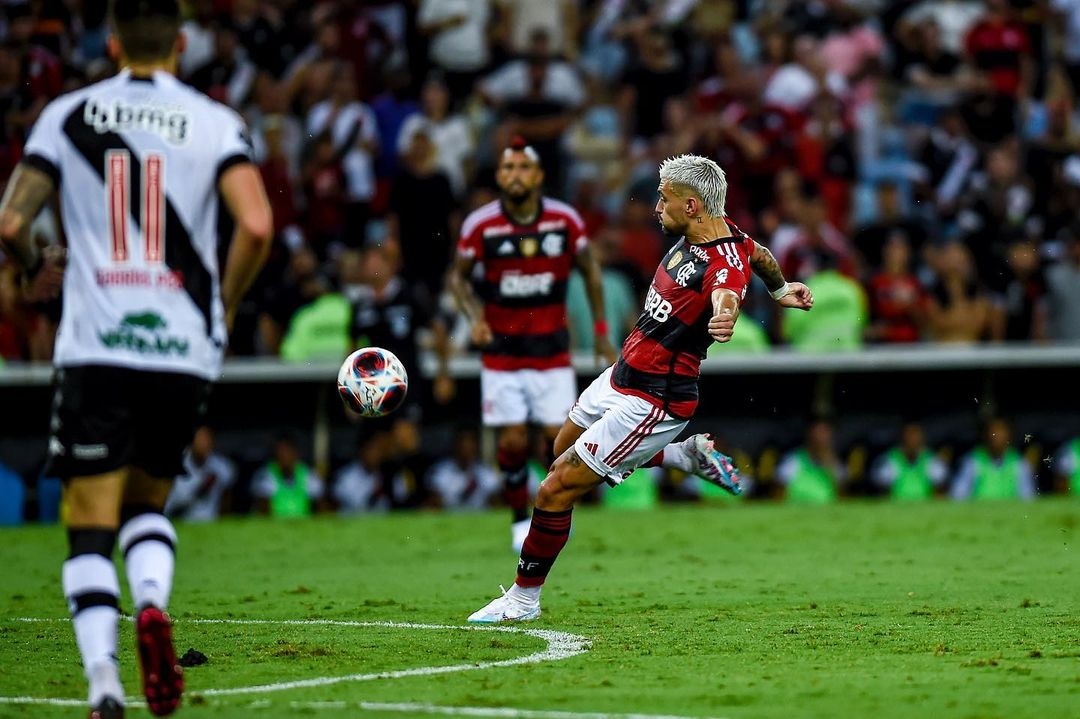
[711,464]
[507,608]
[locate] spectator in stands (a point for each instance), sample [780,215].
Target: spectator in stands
[995,469]
[360,486]
[537,98]
[201,493]
[460,44]
[935,75]
[813,473]
[278,174]
[355,139]
[318,329]
[826,157]
[958,309]
[450,133]
[324,191]
[1062,279]
[425,236]
[656,76]
[558,18]
[840,312]
[947,158]
[795,85]
[198,32]
[910,470]
[228,76]
[891,221]
[463,481]
[998,207]
[1067,468]
[897,298]
[286,487]
[954,17]
[1019,301]
[998,47]
[817,240]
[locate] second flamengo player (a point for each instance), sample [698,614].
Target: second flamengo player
[527,244]
[631,414]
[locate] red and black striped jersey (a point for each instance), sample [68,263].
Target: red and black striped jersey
[661,359]
[522,282]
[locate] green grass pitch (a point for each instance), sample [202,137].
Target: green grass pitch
[860,610]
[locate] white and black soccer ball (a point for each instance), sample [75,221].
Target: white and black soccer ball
[372,381]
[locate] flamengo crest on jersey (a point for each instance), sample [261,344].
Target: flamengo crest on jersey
[137,163]
[525,269]
[662,356]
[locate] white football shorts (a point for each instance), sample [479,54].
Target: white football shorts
[622,431]
[537,396]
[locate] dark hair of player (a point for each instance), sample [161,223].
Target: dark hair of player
[147,29]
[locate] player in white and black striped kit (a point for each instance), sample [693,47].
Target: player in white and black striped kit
[139,161]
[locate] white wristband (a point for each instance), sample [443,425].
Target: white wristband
[780,291]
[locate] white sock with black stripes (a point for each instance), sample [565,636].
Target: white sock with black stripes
[93,591]
[148,543]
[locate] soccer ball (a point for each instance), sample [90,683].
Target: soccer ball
[372,381]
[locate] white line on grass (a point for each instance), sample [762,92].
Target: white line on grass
[560,645]
[496,712]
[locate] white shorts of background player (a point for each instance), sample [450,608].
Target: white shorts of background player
[537,396]
[622,432]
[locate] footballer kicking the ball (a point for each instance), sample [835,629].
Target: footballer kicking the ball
[631,414]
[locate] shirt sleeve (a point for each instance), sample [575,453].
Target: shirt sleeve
[262,485]
[235,146]
[42,149]
[471,243]
[578,239]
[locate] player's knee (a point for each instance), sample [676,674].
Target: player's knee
[513,439]
[145,494]
[560,489]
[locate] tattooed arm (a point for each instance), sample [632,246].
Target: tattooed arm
[590,270]
[460,284]
[27,192]
[788,294]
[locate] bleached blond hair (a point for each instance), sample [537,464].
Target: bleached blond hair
[701,176]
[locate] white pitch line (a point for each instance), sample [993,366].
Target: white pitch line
[495,712]
[560,645]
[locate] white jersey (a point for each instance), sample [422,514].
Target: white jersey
[137,162]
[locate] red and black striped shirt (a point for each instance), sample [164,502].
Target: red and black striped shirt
[661,359]
[525,269]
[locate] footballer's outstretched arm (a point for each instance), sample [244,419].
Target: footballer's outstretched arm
[461,287]
[788,294]
[27,192]
[594,285]
[245,197]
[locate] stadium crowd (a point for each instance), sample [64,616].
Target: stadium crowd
[917,159]
[916,162]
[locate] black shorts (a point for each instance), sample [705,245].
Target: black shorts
[105,418]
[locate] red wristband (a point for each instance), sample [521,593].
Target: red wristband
[600,328]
